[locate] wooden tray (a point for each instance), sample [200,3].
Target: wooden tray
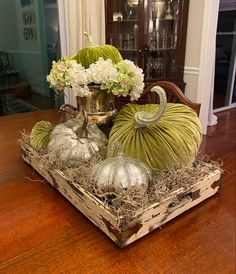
[121,231]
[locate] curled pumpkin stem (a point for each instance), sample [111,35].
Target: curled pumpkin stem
[144,119]
[90,39]
[79,132]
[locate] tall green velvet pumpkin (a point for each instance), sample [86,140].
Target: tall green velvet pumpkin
[159,135]
[90,55]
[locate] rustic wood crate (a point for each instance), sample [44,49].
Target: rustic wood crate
[121,231]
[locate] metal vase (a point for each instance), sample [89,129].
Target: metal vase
[99,105]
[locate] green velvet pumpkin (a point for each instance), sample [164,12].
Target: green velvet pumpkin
[159,135]
[40,134]
[90,55]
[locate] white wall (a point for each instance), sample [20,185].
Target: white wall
[193,48]
[200,55]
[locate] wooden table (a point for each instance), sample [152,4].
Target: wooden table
[41,232]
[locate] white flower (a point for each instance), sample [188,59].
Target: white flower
[129,81]
[122,79]
[76,75]
[80,91]
[101,72]
[65,73]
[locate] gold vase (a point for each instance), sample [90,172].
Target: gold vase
[99,105]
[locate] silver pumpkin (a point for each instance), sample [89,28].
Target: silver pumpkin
[75,141]
[121,173]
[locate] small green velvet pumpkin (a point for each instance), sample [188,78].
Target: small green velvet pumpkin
[40,134]
[159,135]
[90,55]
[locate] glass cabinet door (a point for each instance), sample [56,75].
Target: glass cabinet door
[161,34]
[122,27]
[151,33]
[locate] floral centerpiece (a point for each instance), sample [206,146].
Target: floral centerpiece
[95,75]
[121,79]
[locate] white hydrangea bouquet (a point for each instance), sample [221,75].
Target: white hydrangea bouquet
[121,79]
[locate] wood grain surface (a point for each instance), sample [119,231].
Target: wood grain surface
[41,232]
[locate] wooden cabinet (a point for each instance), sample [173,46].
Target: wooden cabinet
[152,34]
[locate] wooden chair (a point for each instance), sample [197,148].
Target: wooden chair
[173,93]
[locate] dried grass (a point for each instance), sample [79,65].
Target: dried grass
[128,202]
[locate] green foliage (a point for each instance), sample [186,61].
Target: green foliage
[40,134]
[87,56]
[173,139]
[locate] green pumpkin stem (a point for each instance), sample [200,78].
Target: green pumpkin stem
[90,40]
[144,119]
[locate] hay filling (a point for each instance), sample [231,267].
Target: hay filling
[128,202]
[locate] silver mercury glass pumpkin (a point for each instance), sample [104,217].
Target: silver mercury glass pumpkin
[76,141]
[121,173]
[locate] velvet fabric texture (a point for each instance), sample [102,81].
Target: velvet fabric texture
[88,56]
[40,134]
[172,140]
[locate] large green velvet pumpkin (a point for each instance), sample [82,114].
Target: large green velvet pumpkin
[159,135]
[90,55]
